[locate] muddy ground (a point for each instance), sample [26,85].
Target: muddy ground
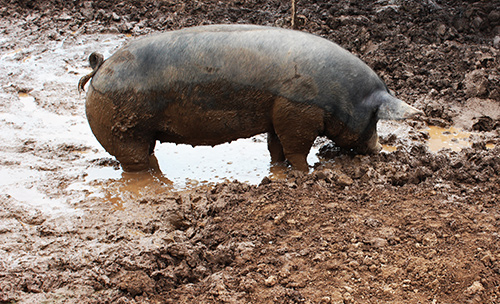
[408,226]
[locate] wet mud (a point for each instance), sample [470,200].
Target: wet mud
[417,223]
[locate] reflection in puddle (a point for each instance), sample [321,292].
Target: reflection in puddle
[451,138]
[185,167]
[102,173]
[117,187]
[277,172]
[245,160]
[133,186]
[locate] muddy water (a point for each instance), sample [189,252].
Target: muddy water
[186,167]
[45,143]
[183,166]
[246,160]
[447,138]
[439,138]
[389,148]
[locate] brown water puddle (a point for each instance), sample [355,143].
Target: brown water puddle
[389,148]
[133,186]
[444,138]
[185,168]
[447,138]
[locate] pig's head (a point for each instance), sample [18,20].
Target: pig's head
[384,106]
[360,134]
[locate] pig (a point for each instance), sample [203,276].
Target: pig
[208,85]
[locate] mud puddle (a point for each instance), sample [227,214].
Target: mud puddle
[246,160]
[452,138]
[447,138]
[185,167]
[436,138]
[46,144]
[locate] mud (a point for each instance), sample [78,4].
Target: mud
[417,223]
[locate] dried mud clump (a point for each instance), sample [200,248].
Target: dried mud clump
[486,123]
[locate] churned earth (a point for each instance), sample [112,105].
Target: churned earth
[417,223]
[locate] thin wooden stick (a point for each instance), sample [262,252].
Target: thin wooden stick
[294,15]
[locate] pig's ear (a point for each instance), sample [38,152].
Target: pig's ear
[391,108]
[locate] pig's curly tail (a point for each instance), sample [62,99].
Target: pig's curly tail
[95,60]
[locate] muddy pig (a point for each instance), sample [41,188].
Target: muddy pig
[209,85]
